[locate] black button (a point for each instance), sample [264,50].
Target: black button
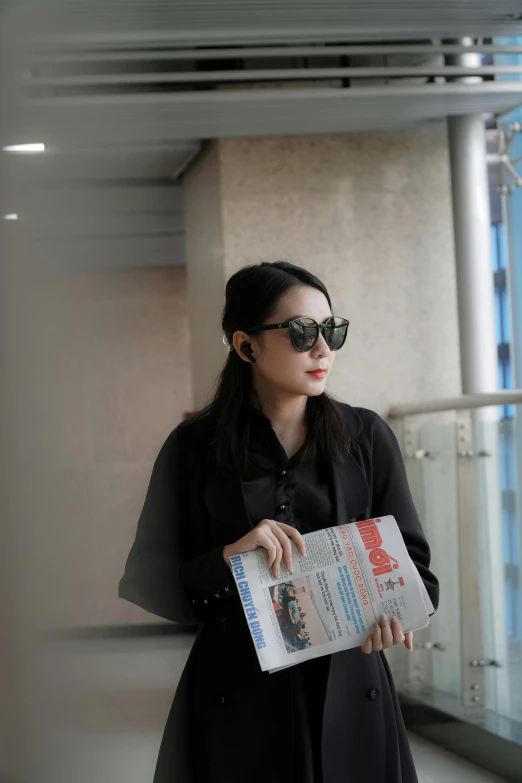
[282,508]
[373,693]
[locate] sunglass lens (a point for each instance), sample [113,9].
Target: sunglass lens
[335,333]
[304,333]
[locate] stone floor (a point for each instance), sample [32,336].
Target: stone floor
[110,700]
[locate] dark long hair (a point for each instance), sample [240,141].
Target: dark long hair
[252,295]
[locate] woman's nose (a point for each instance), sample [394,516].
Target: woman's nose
[321,347]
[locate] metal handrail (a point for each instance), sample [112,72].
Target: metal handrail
[464,401]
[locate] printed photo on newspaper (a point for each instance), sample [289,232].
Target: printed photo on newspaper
[350,575]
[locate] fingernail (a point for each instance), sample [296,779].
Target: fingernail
[383,617]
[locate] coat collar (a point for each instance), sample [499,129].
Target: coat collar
[351,418]
[351,490]
[226,504]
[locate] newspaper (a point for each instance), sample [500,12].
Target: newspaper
[350,575]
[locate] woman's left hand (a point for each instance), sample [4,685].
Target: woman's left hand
[386,633]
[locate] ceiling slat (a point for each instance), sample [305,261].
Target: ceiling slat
[232,113]
[204,22]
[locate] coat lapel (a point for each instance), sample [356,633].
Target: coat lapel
[350,492]
[350,488]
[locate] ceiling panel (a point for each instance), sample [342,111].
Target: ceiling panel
[94,156]
[229,113]
[203,22]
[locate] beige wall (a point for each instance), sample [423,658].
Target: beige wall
[368,213]
[121,385]
[205,270]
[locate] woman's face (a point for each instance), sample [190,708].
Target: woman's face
[279,366]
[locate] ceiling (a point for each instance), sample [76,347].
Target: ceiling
[123,93]
[207,22]
[101,206]
[159,118]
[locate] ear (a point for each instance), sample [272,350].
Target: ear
[238,341]
[247,350]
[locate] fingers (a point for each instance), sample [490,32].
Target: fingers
[285,544]
[275,552]
[367,647]
[377,637]
[270,545]
[295,535]
[265,540]
[398,635]
[279,535]
[386,632]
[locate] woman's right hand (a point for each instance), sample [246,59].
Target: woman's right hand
[273,536]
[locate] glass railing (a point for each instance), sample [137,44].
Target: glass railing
[463,459]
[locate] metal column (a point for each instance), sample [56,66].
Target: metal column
[478,348]
[482,598]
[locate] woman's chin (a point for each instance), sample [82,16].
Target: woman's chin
[315,388]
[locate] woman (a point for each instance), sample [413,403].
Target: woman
[271,458]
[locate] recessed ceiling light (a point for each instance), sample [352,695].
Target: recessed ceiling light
[10,216]
[38,147]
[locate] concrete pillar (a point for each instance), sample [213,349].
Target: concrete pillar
[204,250]
[370,215]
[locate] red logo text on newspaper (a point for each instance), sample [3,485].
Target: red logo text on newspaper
[382,562]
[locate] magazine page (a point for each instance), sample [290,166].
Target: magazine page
[350,575]
[427,600]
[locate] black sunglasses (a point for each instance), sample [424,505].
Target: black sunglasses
[305,331]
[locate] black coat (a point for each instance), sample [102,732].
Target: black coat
[229,720]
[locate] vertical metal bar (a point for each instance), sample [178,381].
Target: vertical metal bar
[400,663]
[471,217]
[417,669]
[473,698]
